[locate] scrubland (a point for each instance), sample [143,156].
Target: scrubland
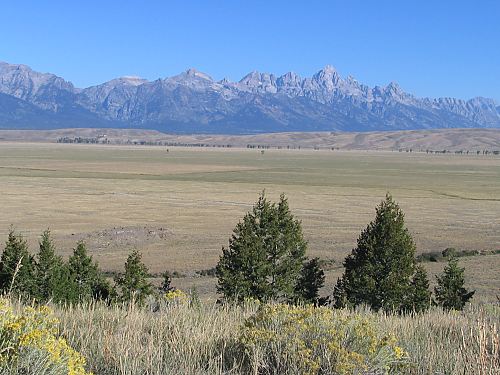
[184,336]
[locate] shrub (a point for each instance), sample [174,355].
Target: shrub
[29,339]
[166,283]
[85,273]
[449,252]
[310,282]
[288,339]
[450,291]
[420,297]
[133,284]
[175,297]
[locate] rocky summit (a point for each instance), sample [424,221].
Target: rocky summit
[193,102]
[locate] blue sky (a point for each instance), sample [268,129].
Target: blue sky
[431,48]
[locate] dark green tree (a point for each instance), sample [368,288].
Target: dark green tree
[166,285]
[379,270]
[450,292]
[63,286]
[47,267]
[265,254]
[17,267]
[311,280]
[85,273]
[133,285]
[420,297]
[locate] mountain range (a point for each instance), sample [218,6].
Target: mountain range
[193,102]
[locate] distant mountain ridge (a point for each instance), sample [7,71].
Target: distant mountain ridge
[192,102]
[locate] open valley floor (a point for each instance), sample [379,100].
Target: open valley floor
[178,206]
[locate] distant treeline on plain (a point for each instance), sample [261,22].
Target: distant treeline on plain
[104,140]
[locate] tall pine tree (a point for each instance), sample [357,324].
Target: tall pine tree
[379,270]
[133,285]
[17,267]
[47,268]
[265,254]
[85,273]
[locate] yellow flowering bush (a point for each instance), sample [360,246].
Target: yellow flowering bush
[176,296]
[281,338]
[32,334]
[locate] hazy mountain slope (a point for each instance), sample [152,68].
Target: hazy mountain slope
[437,139]
[192,102]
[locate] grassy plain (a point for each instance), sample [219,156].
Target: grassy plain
[179,207]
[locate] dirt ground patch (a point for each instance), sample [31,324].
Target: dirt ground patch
[120,237]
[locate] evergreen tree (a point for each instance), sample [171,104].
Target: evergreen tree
[450,291]
[86,275]
[17,267]
[339,296]
[63,286]
[379,270]
[265,254]
[47,267]
[311,280]
[133,284]
[166,285]
[420,295]
[102,289]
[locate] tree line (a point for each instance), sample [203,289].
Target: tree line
[45,276]
[265,260]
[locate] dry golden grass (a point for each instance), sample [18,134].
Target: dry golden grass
[205,339]
[198,195]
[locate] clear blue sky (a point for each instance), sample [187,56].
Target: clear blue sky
[431,48]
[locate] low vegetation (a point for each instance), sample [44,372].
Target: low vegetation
[179,336]
[31,343]
[440,256]
[381,316]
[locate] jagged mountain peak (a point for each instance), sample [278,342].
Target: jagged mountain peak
[290,81]
[394,89]
[124,81]
[479,100]
[194,73]
[45,90]
[257,76]
[329,69]
[193,102]
[259,82]
[16,71]
[328,77]
[290,76]
[5,65]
